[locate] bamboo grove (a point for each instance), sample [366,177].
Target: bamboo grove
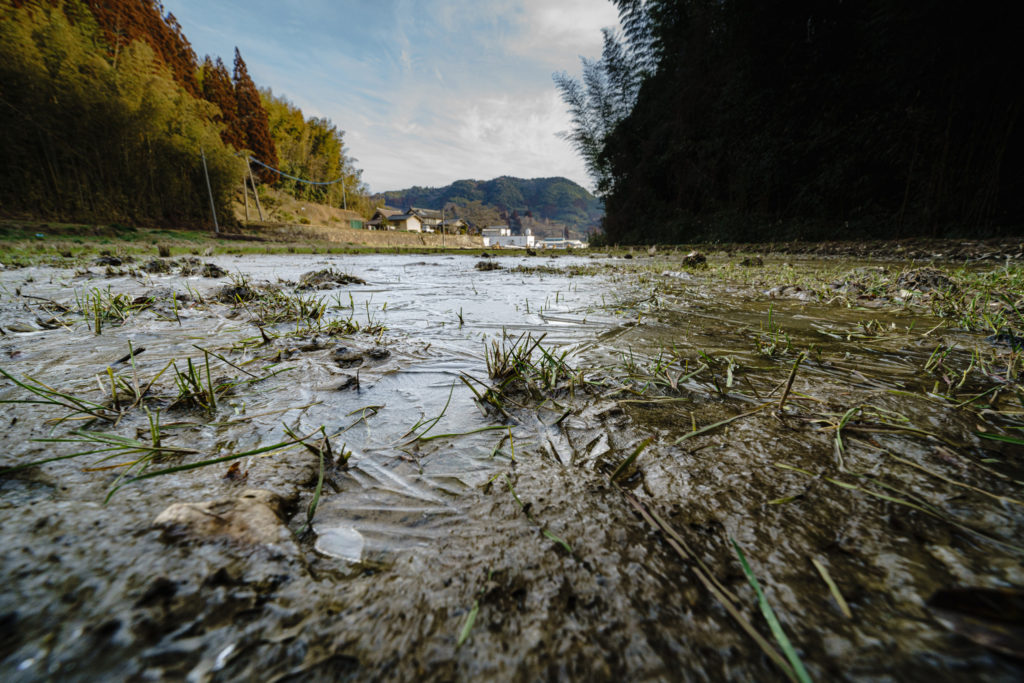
[713,120]
[106,113]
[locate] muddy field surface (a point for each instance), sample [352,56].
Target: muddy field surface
[430,468]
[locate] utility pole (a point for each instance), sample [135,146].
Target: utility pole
[255,194]
[209,190]
[245,193]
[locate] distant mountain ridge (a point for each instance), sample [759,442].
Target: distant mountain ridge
[554,202]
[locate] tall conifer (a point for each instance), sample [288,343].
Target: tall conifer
[253,119]
[217,89]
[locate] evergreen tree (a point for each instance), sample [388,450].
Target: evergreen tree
[217,89]
[253,121]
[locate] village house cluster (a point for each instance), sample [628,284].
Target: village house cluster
[431,221]
[415,220]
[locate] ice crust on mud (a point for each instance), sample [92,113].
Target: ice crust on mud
[210,574]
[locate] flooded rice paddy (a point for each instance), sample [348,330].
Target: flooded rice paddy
[413,467]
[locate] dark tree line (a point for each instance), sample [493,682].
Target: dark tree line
[753,120]
[101,132]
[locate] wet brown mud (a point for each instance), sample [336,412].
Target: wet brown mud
[578,524]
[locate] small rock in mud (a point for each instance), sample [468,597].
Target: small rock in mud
[21,327]
[163,295]
[328,278]
[378,353]
[859,280]
[107,261]
[347,384]
[790,292]
[694,259]
[752,262]
[346,357]
[1006,339]
[924,280]
[157,266]
[253,518]
[315,344]
[213,270]
[190,265]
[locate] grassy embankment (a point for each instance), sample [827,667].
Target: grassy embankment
[29,243]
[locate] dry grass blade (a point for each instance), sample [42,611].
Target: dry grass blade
[833,588]
[789,382]
[712,586]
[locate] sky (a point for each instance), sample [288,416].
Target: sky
[427,91]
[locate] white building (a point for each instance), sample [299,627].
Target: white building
[560,243]
[498,236]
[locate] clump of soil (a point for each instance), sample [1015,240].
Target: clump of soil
[157,266]
[860,280]
[328,278]
[695,259]
[190,265]
[346,357]
[924,280]
[240,291]
[488,265]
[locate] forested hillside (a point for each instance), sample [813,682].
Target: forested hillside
[748,120]
[313,149]
[486,201]
[94,131]
[106,113]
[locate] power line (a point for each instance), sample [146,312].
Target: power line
[301,180]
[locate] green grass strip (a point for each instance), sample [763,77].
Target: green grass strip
[722,423]
[628,461]
[491,428]
[773,622]
[1016,440]
[468,626]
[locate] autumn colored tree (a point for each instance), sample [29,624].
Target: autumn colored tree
[253,120]
[124,21]
[215,83]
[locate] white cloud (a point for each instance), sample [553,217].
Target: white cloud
[562,31]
